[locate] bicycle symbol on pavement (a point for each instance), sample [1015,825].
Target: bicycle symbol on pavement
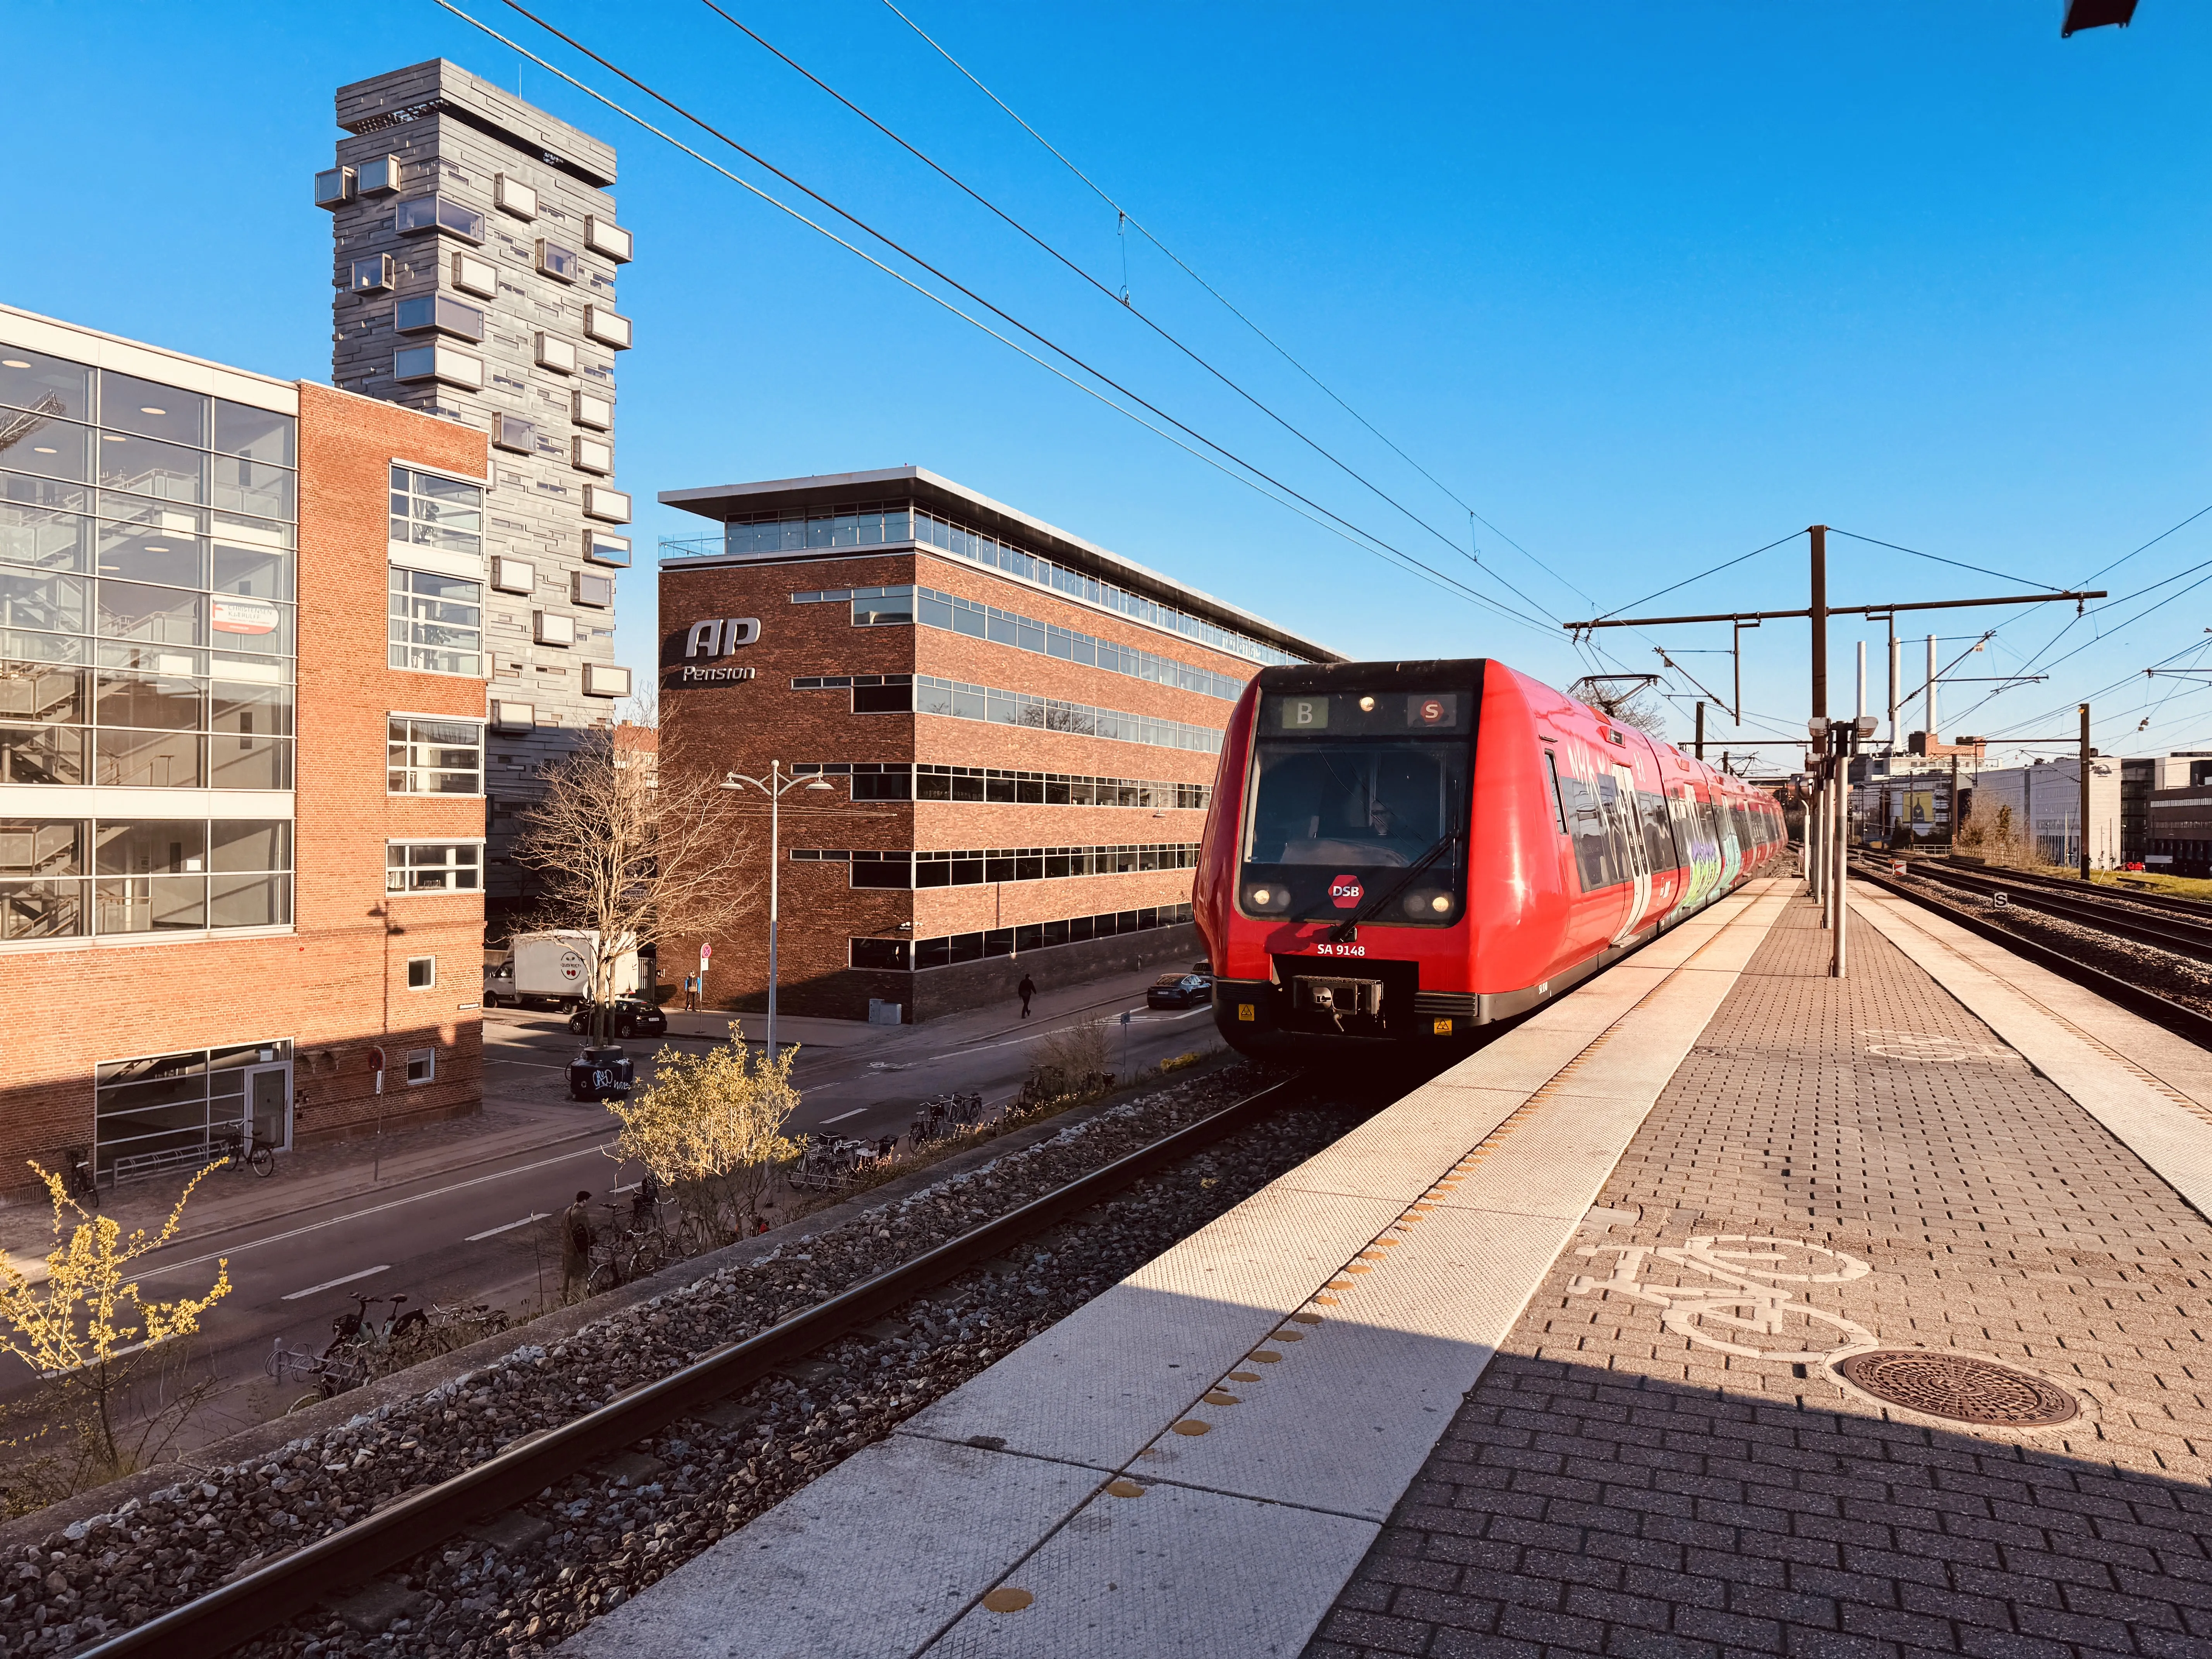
[1743,1294]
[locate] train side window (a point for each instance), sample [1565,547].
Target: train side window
[1558,800]
[1658,832]
[1599,859]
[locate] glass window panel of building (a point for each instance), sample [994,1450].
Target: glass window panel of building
[147,546]
[68,878]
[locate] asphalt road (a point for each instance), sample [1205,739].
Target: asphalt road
[484,1232]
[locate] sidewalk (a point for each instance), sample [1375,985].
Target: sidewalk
[1663,1458]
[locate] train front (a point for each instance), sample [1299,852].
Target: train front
[1332,884]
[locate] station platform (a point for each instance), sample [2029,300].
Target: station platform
[1556,1354]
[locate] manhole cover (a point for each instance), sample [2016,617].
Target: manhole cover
[1960,1386]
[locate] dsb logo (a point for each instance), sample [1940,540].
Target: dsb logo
[1345,891]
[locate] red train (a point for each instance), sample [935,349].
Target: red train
[1399,854]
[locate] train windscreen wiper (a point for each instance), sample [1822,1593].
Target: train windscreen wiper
[1349,928]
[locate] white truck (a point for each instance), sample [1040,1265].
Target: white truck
[556,970]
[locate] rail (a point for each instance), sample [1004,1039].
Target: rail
[246,1607]
[2176,1017]
[2084,904]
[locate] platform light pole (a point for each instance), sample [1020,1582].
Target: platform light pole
[2086,753]
[773,787]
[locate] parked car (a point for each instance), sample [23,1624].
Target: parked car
[1179,991]
[631,1018]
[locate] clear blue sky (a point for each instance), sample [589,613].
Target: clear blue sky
[1647,285]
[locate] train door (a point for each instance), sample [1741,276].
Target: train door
[1639,861]
[1731,849]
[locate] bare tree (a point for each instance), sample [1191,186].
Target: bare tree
[1624,704]
[634,854]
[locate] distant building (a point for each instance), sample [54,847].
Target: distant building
[2043,803]
[2182,769]
[475,252]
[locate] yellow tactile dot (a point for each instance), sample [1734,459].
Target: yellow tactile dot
[1192,1425]
[1288,1336]
[1359,1267]
[1408,1220]
[1339,1284]
[1370,1255]
[1220,1397]
[1387,1244]
[1125,1489]
[1265,1356]
[1418,1209]
[1243,1376]
[1007,1599]
[1306,1318]
[1325,1301]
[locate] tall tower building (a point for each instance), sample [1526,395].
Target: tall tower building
[475,252]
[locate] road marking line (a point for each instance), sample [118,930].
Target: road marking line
[376,1209]
[494,1232]
[841,1117]
[332,1284]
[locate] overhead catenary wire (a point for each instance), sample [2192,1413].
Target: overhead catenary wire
[1342,527]
[1123,216]
[1121,299]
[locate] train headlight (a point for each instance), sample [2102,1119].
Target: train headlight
[1267,897]
[1428,904]
[1367,705]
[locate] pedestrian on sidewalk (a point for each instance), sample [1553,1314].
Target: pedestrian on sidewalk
[576,1248]
[691,993]
[1025,990]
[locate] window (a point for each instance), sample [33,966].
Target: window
[514,575]
[421,1065]
[334,188]
[438,362]
[602,547]
[432,213]
[601,503]
[475,276]
[372,275]
[423,867]
[147,876]
[508,716]
[895,696]
[378,178]
[426,311]
[585,588]
[924,781]
[513,195]
[555,261]
[977,866]
[164,1109]
[553,628]
[586,409]
[437,622]
[605,680]
[422,973]
[605,236]
[902,955]
[428,510]
[591,455]
[557,354]
[607,328]
[426,756]
[511,432]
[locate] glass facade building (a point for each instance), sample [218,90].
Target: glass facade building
[147,643]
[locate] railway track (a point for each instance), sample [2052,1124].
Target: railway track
[263,1600]
[2175,1016]
[2199,909]
[2089,907]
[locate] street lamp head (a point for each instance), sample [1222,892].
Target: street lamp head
[1866,724]
[732,781]
[820,785]
[1818,725]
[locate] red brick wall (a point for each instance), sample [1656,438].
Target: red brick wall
[746,726]
[337,985]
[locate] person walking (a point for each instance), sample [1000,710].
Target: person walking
[576,1248]
[691,993]
[1025,990]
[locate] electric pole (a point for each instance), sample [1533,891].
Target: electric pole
[2086,752]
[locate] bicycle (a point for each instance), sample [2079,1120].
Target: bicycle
[83,1179]
[331,1376]
[356,1335]
[238,1157]
[622,1252]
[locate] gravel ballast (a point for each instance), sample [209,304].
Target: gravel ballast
[539,1573]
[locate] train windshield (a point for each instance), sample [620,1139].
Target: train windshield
[1347,788]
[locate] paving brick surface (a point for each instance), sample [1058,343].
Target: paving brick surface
[1636,1479]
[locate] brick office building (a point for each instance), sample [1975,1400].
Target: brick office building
[241,812]
[1020,731]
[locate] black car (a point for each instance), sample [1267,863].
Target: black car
[1179,991]
[631,1018]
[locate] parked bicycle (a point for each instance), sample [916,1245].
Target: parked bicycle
[331,1374]
[237,1156]
[828,1162]
[622,1252]
[83,1179]
[359,1333]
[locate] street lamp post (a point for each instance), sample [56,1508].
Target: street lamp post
[773,787]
